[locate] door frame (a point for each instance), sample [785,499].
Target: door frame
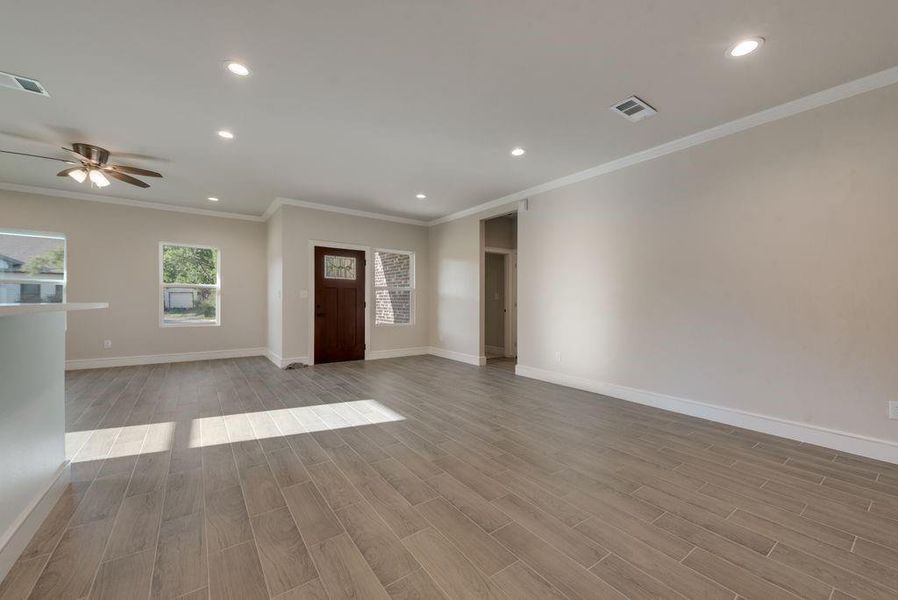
[511,297]
[369,299]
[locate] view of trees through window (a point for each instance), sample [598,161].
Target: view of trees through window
[190,287]
[185,264]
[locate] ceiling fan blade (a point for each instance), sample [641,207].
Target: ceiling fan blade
[70,162]
[126,178]
[65,172]
[132,170]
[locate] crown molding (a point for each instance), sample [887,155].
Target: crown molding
[279,202]
[272,208]
[29,189]
[834,94]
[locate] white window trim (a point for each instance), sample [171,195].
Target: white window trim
[65,260]
[413,312]
[215,286]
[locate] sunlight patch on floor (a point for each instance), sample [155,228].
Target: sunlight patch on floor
[210,431]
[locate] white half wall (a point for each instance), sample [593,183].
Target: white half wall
[32,425]
[275,256]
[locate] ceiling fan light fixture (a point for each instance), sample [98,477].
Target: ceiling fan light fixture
[98,179]
[78,175]
[95,166]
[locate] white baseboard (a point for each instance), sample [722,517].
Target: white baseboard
[471,359]
[395,353]
[154,359]
[14,540]
[282,363]
[275,358]
[843,441]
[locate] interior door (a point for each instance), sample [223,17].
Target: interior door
[339,305]
[494,286]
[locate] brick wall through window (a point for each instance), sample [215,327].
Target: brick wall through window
[393,288]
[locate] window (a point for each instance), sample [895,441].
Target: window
[190,284]
[394,287]
[32,267]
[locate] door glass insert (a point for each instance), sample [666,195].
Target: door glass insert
[339,267]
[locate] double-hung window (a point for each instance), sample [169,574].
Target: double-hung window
[32,267]
[394,287]
[189,284]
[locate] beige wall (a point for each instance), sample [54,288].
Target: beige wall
[113,256]
[455,296]
[756,272]
[457,271]
[501,232]
[300,225]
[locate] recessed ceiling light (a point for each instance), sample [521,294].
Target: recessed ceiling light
[420,196]
[746,46]
[238,69]
[518,151]
[226,134]
[212,199]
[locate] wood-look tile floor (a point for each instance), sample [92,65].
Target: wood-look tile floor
[419,478]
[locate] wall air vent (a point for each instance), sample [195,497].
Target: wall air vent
[24,84]
[633,109]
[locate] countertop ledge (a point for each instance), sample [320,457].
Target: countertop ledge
[29,309]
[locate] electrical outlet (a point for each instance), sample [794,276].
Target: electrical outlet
[107,344]
[893,409]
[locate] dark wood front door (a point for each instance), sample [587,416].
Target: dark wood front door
[339,305]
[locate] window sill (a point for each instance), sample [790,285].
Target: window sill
[167,325]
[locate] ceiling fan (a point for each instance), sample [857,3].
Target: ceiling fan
[94,165]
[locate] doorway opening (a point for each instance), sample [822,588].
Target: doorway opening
[499,300]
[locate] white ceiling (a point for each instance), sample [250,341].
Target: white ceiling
[362,104]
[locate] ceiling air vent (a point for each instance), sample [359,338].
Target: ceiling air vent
[633,109]
[17,82]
